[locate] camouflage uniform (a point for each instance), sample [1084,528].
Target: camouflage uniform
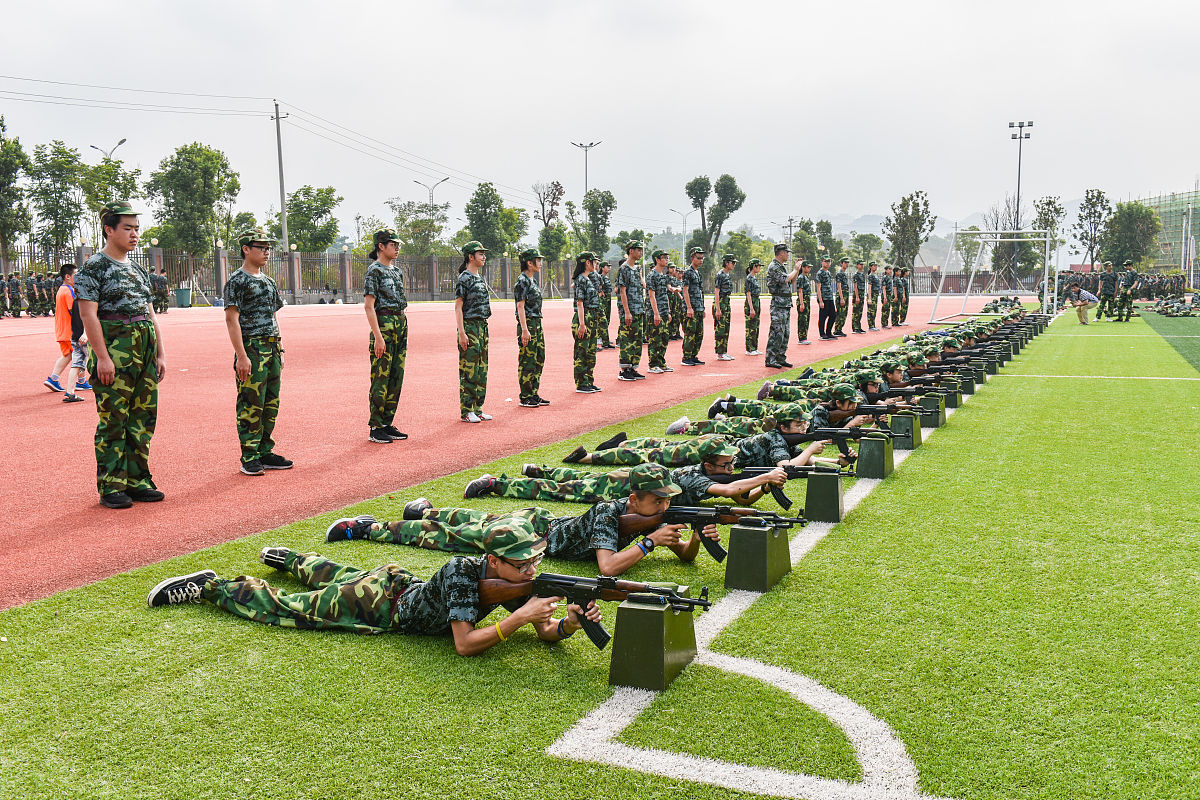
[885,304]
[658,283]
[381,600]
[1108,293]
[386,285]
[473,361]
[873,304]
[630,335]
[860,295]
[781,311]
[693,328]
[761,450]
[677,308]
[1126,284]
[753,303]
[826,293]
[606,290]
[585,348]
[127,410]
[3,296]
[904,287]
[14,296]
[531,358]
[841,299]
[730,426]
[724,284]
[256,298]
[803,297]
[793,392]
[31,294]
[567,485]
[652,450]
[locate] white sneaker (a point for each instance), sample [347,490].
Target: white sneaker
[724,357]
[753,353]
[668,369]
[655,370]
[484,416]
[677,426]
[470,417]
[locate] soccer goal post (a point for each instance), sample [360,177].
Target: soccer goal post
[987,241]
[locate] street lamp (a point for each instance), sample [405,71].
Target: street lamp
[1020,135]
[585,148]
[431,188]
[682,230]
[108,153]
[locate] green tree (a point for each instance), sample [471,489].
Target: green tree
[598,205]
[55,176]
[193,187]
[484,219]
[967,248]
[714,215]
[515,224]
[243,221]
[1130,233]
[576,228]
[311,224]
[1048,215]
[622,238]
[552,241]
[864,245]
[14,214]
[828,245]
[740,246]
[548,195]
[1089,227]
[366,240]
[419,225]
[908,227]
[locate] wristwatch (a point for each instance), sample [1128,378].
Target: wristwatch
[648,543]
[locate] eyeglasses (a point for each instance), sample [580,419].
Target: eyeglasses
[722,464]
[266,248]
[525,567]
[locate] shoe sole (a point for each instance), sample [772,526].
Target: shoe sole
[289,466]
[245,471]
[111,505]
[207,574]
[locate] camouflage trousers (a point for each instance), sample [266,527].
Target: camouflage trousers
[126,410]
[839,321]
[629,339]
[341,598]
[567,485]
[885,312]
[721,331]
[656,350]
[856,314]
[777,336]
[872,310]
[752,327]
[676,304]
[531,358]
[473,366]
[1124,305]
[904,308]
[1107,304]
[257,401]
[790,394]
[605,319]
[693,334]
[802,322]
[459,530]
[387,370]
[757,409]
[15,305]
[652,450]
[897,306]
[738,427]
[585,348]
[3,304]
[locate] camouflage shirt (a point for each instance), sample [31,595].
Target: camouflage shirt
[824,281]
[860,283]
[578,538]
[820,417]
[386,285]
[256,297]
[629,278]
[659,283]
[598,282]
[524,288]
[451,595]
[763,450]
[693,482]
[874,280]
[14,288]
[116,287]
[1108,284]
[694,286]
[725,284]
[585,291]
[605,287]
[778,286]
[1128,279]
[843,280]
[476,304]
[753,292]
[803,289]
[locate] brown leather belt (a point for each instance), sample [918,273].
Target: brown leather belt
[126,320]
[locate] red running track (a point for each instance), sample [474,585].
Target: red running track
[57,536]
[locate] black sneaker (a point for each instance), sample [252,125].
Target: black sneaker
[145,495]
[697,362]
[254,467]
[415,509]
[626,375]
[380,435]
[273,461]
[529,402]
[637,376]
[575,456]
[484,484]
[347,528]
[595,388]
[542,401]
[532,471]
[609,444]
[180,589]
[688,362]
[718,407]
[115,500]
[391,431]
[786,364]
[274,557]
[584,389]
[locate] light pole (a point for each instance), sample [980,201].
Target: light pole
[431,188]
[108,153]
[1020,136]
[682,231]
[586,148]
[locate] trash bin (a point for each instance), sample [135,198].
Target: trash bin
[183,298]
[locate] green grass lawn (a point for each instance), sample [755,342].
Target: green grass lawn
[1018,602]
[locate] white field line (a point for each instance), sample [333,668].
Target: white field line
[1124,335]
[888,772]
[1099,377]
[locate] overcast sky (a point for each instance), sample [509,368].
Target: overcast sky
[817,109]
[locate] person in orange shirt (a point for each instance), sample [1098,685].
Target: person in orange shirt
[72,342]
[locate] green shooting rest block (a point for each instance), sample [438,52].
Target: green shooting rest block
[874,458]
[758,558]
[934,415]
[906,430]
[823,497]
[651,645]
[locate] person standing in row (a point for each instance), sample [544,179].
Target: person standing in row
[531,339]
[899,296]
[843,297]
[251,300]
[860,297]
[127,360]
[385,302]
[885,300]
[658,299]
[722,289]
[606,291]
[583,325]
[753,306]
[1108,292]
[472,308]
[15,303]
[803,299]
[631,307]
[873,283]
[1126,284]
[693,305]
[675,282]
[826,299]
[779,284]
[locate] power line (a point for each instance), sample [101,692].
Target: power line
[151,106]
[123,89]
[104,104]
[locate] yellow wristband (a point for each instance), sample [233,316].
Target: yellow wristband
[500,633]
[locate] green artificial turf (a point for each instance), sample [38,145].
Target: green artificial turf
[1182,333]
[1017,601]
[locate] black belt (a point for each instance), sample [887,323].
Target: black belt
[267,339]
[388,312]
[126,320]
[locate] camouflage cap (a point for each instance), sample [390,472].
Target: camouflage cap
[873,264]
[843,391]
[473,247]
[728,257]
[860,261]
[889,366]
[950,341]
[867,376]
[789,412]
[631,244]
[672,265]
[716,447]
[530,253]
[657,254]
[1127,263]
[385,235]
[120,207]
[806,263]
[917,359]
[653,478]
[696,251]
[252,235]
[844,260]
[782,247]
[1108,263]
[754,262]
[586,255]
[514,540]
[826,258]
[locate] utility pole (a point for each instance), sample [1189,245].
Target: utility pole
[1020,136]
[282,194]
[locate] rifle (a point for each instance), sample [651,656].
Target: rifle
[495,591]
[876,411]
[818,434]
[699,516]
[793,471]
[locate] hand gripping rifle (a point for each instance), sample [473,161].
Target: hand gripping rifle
[793,471]
[699,516]
[581,591]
